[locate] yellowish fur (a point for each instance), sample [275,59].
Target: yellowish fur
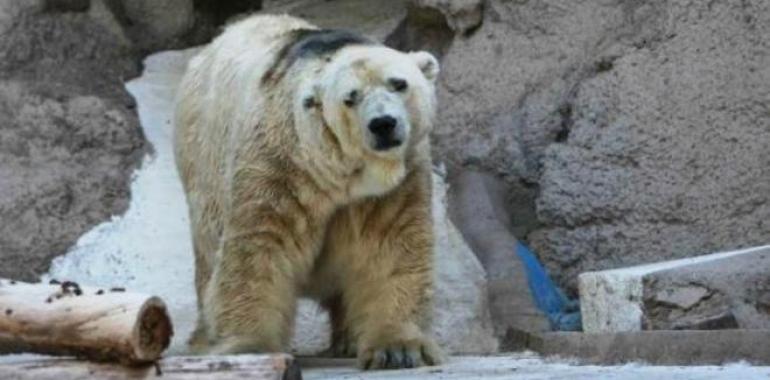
[288,201]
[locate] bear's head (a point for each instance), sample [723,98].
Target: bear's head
[376,101]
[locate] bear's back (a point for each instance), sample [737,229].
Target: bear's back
[219,97]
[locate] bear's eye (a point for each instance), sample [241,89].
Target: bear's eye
[398,84]
[309,102]
[352,98]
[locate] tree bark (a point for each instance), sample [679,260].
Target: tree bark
[96,323]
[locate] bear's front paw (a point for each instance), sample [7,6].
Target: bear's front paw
[400,354]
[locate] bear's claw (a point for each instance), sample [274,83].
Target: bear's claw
[399,356]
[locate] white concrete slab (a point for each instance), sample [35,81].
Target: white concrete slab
[611,300]
[524,366]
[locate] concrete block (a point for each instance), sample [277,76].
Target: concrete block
[718,291]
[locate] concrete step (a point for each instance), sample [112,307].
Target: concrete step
[684,347]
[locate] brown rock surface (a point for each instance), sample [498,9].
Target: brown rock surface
[635,132]
[69,138]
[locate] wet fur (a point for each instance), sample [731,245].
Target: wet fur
[281,206]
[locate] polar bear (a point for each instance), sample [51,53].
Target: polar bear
[305,159]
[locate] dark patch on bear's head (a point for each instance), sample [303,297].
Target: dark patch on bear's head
[309,44]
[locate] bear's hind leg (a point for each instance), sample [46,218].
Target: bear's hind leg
[343,344]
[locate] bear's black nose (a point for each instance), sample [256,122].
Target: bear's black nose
[386,132]
[383,126]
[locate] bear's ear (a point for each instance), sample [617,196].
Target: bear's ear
[427,63]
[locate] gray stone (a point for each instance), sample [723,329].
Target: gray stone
[683,297]
[376,19]
[12,10]
[462,16]
[160,21]
[69,139]
[66,165]
[719,291]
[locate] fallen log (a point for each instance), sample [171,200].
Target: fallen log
[95,323]
[256,367]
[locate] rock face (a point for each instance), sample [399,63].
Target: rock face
[635,132]
[669,150]
[159,20]
[69,138]
[375,19]
[462,16]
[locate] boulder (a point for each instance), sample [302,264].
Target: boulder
[162,20]
[462,16]
[376,19]
[69,140]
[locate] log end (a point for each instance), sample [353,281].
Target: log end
[152,332]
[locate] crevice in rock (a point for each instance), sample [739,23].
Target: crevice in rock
[604,64]
[422,29]
[565,111]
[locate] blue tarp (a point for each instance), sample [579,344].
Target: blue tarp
[563,313]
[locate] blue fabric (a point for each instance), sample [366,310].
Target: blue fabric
[562,313]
